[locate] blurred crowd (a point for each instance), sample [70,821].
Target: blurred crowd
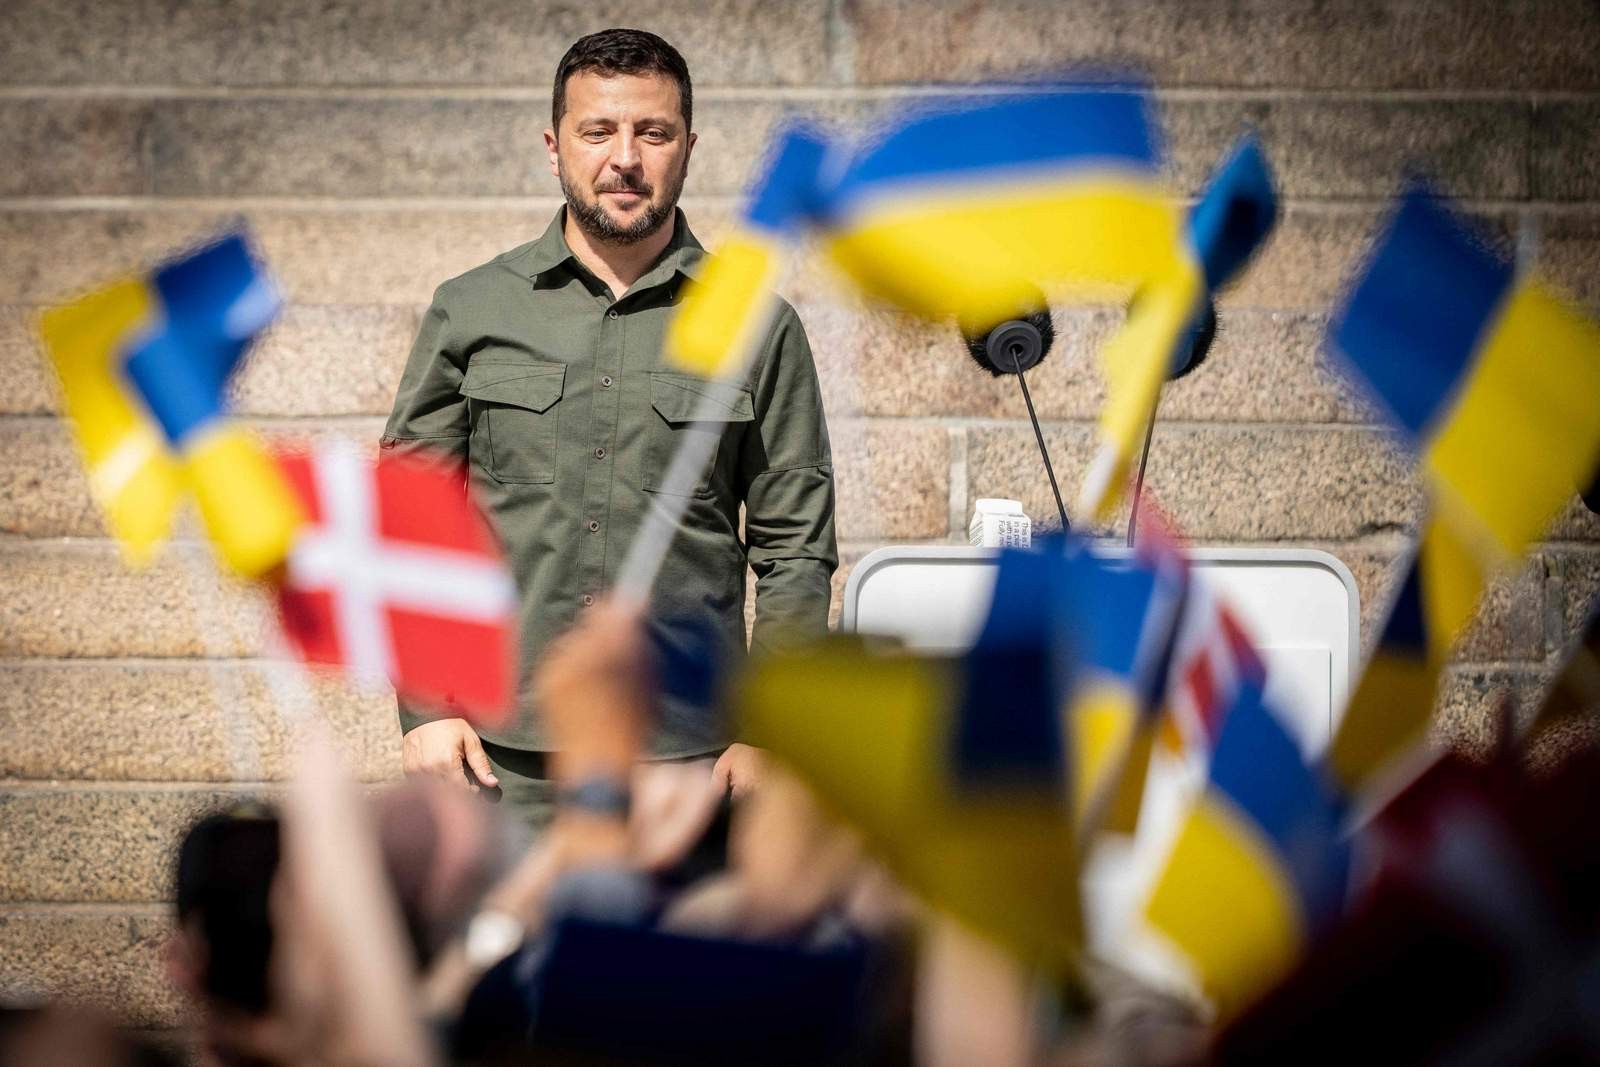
[661,919]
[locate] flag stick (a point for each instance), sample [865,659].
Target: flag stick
[667,506]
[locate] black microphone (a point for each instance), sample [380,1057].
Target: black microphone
[1012,347]
[1015,345]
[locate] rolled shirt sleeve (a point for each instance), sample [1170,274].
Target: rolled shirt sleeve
[786,470]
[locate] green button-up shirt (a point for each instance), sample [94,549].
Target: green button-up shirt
[553,393]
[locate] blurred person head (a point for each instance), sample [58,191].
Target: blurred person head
[620,134]
[442,850]
[220,950]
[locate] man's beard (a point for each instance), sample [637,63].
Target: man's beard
[597,223]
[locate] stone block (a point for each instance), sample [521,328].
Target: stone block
[98,845]
[45,493]
[106,957]
[1568,245]
[26,383]
[1575,523]
[392,42]
[327,360]
[1265,366]
[1356,148]
[1368,44]
[198,722]
[43,489]
[893,479]
[1230,483]
[1510,620]
[444,146]
[90,146]
[76,599]
[1579,597]
[1467,709]
[1311,258]
[1564,163]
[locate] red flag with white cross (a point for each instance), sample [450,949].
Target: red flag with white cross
[398,576]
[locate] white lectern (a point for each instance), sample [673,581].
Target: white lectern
[1301,608]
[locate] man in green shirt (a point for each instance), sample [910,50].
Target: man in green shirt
[542,371]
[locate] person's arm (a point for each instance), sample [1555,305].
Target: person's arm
[786,476]
[430,417]
[786,473]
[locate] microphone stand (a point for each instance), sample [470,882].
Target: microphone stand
[1138,481]
[1014,350]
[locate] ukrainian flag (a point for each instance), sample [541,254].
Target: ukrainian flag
[1491,379]
[727,308]
[967,209]
[1259,865]
[1126,640]
[1228,224]
[1390,708]
[144,365]
[955,770]
[132,476]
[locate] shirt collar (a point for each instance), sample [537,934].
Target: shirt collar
[683,254]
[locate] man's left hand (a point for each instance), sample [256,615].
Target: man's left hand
[740,769]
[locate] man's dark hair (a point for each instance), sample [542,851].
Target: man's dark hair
[613,52]
[224,882]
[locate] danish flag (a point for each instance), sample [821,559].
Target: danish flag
[398,576]
[1212,653]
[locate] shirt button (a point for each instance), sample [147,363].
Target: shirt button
[611,314]
[600,453]
[594,527]
[606,381]
[588,601]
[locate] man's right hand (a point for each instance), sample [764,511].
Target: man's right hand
[449,749]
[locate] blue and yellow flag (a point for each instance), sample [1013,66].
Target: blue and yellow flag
[1126,640]
[955,770]
[1260,863]
[727,308]
[143,365]
[1389,710]
[968,208]
[1228,224]
[1490,378]
[1492,382]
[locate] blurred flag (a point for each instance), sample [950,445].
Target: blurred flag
[1492,381]
[155,353]
[1235,213]
[397,576]
[1391,706]
[1132,609]
[968,207]
[1259,864]
[133,477]
[727,308]
[1490,378]
[956,771]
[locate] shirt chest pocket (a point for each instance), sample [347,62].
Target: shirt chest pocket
[514,409]
[682,404]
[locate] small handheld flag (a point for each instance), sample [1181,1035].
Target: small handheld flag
[397,576]
[1489,377]
[144,364]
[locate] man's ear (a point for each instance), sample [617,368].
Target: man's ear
[689,151]
[550,146]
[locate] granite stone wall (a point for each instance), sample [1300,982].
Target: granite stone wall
[379,147]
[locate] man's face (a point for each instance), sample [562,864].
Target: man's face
[621,153]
